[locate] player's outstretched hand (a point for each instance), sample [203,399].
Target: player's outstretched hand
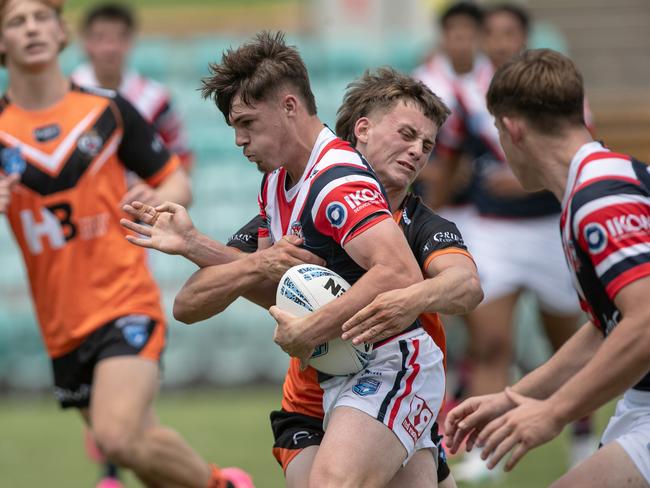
[167,228]
[287,335]
[388,314]
[6,185]
[284,254]
[529,425]
[468,419]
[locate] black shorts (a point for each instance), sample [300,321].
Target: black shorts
[126,336]
[293,432]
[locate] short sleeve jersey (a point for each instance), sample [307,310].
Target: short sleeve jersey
[605,226]
[65,211]
[337,198]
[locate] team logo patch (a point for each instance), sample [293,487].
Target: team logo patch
[336,214]
[296,229]
[47,133]
[90,143]
[366,387]
[12,161]
[596,237]
[135,329]
[418,419]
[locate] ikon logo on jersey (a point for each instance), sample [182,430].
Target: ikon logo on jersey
[362,198]
[418,419]
[627,224]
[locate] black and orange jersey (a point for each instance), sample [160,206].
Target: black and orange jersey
[428,236]
[65,211]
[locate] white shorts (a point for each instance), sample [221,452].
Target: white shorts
[630,427]
[463,216]
[402,387]
[515,254]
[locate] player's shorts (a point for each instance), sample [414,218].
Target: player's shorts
[294,432]
[630,427]
[126,336]
[402,387]
[515,254]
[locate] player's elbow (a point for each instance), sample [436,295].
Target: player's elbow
[185,310]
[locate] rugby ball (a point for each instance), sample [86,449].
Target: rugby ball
[302,290]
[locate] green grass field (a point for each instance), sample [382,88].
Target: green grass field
[42,446]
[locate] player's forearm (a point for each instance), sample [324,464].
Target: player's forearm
[620,362]
[204,251]
[327,321]
[563,365]
[453,291]
[212,289]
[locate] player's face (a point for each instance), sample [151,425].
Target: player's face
[519,162]
[399,143]
[32,33]
[107,44]
[460,40]
[504,37]
[260,131]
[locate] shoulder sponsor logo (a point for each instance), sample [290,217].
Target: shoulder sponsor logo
[336,214]
[362,198]
[47,133]
[596,237]
[406,218]
[447,237]
[627,224]
[366,386]
[90,143]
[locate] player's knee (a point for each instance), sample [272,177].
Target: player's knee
[115,445]
[496,348]
[332,477]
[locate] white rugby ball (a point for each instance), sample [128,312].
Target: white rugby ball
[302,290]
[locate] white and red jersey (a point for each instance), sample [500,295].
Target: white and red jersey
[337,198]
[605,228]
[153,101]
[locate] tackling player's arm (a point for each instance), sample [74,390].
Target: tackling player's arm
[383,251]
[452,285]
[254,276]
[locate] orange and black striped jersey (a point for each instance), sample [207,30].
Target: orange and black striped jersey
[428,236]
[65,212]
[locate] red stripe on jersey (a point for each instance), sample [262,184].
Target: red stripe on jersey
[409,383]
[620,234]
[600,155]
[627,277]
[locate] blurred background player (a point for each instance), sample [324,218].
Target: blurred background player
[513,236]
[108,31]
[64,157]
[538,102]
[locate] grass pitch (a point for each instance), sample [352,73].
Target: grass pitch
[41,445]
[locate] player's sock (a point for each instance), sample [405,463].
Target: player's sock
[229,478]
